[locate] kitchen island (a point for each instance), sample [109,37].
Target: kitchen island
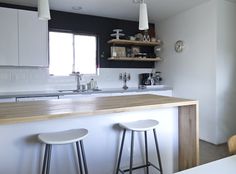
[21,122]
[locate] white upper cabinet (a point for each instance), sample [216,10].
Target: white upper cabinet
[33,39]
[23,38]
[8,37]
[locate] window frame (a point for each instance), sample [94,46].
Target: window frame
[75,33]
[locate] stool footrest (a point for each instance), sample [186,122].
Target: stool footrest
[139,167]
[154,166]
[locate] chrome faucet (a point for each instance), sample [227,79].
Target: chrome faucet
[78,79]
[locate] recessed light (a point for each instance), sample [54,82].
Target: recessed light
[77,8]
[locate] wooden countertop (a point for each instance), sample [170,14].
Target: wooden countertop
[67,108]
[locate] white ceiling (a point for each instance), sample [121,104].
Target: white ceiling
[121,9]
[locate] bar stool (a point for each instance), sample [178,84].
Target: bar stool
[64,137]
[139,126]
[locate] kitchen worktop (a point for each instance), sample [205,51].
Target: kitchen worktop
[63,108]
[48,93]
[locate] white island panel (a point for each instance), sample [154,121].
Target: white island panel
[21,152]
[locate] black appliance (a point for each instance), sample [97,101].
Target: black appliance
[145,79]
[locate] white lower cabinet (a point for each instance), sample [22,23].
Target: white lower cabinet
[103,94]
[7,100]
[77,96]
[163,93]
[19,99]
[125,93]
[73,96]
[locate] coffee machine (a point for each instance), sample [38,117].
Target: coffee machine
[147,79]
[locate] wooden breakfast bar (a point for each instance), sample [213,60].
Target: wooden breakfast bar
[39,116]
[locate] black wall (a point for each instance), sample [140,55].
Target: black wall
[100,26]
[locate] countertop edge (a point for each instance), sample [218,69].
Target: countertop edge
[5,95]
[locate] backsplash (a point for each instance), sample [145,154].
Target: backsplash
[13,79]
[22,79]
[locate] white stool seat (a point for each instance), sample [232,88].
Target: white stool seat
[63,137]
[140,125]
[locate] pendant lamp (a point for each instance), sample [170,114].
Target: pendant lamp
[43,10]
[143,16]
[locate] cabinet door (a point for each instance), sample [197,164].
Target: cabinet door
[8,37]
[7,100]
[20,99]
[73,96]
[78,96]
[101,94]
[163,93]
[33,39]
[125,93]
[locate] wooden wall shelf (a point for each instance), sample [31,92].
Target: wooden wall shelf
[132,42]
[135,59]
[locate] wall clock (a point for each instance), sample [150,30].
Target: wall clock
[179,46]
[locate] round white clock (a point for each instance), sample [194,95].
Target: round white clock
[179,46]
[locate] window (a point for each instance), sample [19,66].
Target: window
[70,52]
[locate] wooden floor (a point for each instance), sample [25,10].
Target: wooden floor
[210,152]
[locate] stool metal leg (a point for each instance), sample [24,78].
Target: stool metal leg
[45,159]
[146,151]
[131,152]
[157,149]
[83,156]
[49,158]
[120,153]
[79,158]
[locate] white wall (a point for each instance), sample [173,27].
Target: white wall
[14,79]
[192,72]
[205,70]
[226,70]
